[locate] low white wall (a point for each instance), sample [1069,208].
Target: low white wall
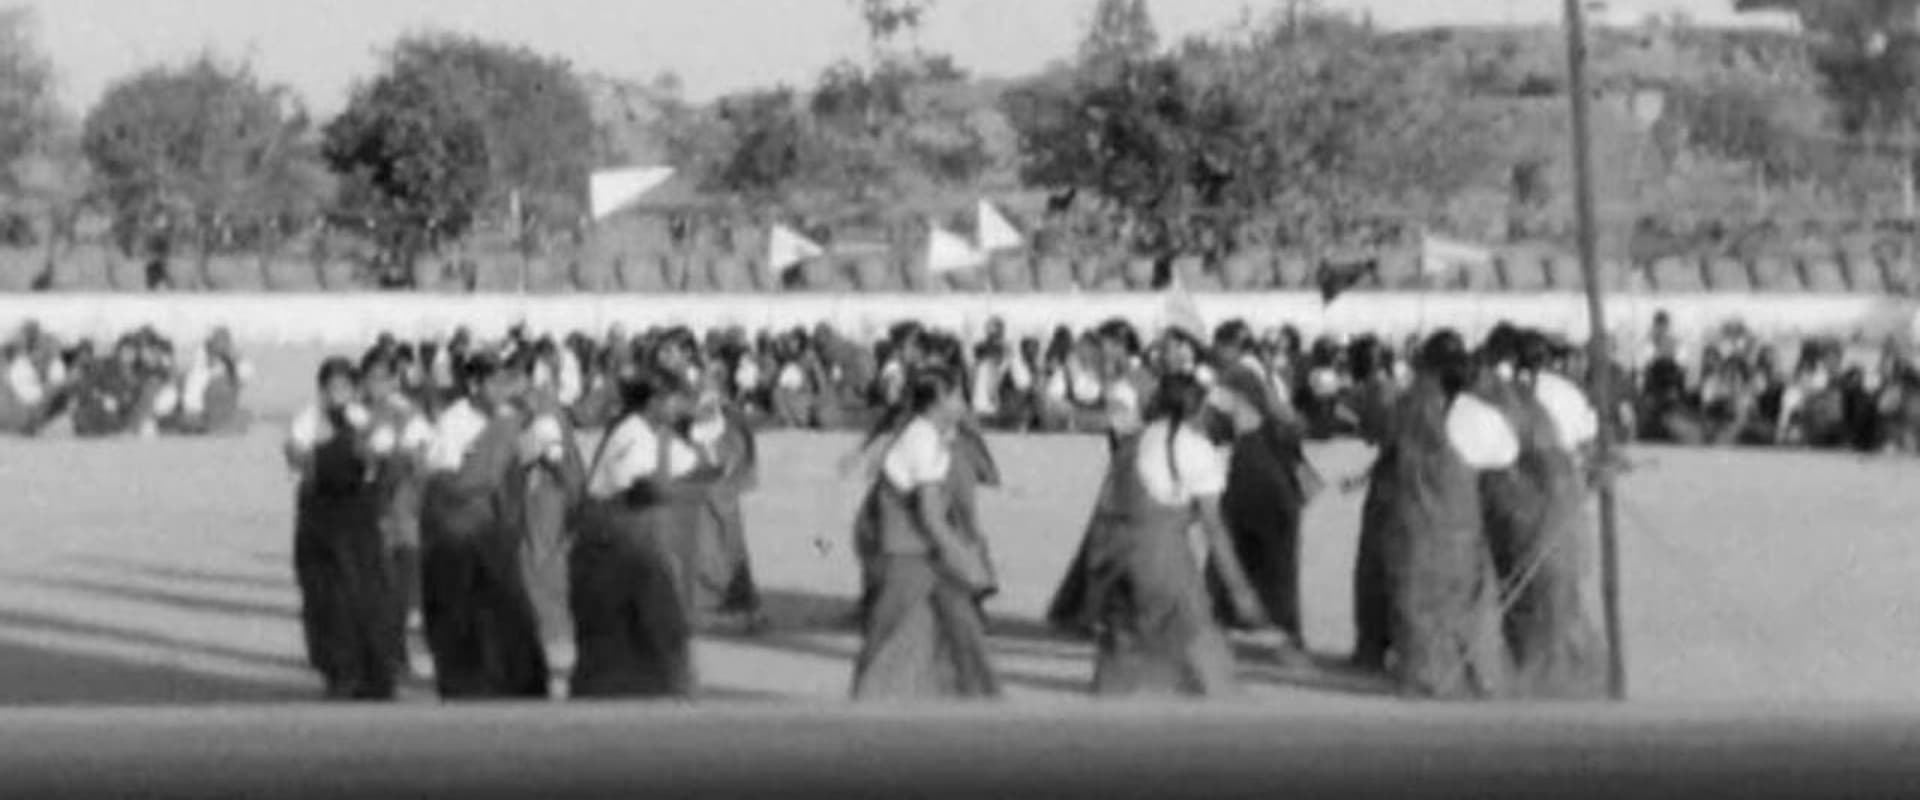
[351,320]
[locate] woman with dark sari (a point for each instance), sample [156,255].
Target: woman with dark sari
[339,556]
[399,441]
[1125,386]
[481,625]
[551,478]
[724,588]
[1374,398]
[1442,592]
[924,633]
[1535,518]
[1269,484]
[631,568]
[1147,592]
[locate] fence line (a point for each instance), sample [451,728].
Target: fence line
[353,319]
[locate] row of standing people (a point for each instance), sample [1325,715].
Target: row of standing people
[1475,549]
[531,568]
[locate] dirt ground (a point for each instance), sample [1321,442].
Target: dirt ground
[156,572]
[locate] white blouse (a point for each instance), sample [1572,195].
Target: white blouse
[920,456]
[310,426]
[1202,467]
[454,435]
[632,452]
[1574,418]
[1481,434]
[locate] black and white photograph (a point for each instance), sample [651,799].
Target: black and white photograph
[959,398]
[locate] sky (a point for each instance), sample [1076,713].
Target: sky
[320,47]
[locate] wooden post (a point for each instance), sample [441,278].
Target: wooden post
[1600,356]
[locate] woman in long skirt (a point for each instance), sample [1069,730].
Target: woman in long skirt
[339,555]
[723,581]
[924,631]
[552,477]
[1442,591]
[633,622]
[1156,632]
[1535,523]
[1375,400]
[1125,387]
[480,622]
[1268,485]
[399,441]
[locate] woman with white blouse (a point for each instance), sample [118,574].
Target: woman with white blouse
[1442,594]
[631,565]
[339,556]
[924,633]
[1147,591]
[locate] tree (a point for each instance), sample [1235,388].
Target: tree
[1122,31]
[41,175]
[887,20]
[413,166]
[1311,120]
[1868,55]
[455,130]
[27,110]
[202,157]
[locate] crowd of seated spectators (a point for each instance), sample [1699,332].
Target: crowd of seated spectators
[140,386]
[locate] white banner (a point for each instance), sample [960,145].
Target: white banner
[352,320]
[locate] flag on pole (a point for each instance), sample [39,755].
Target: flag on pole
[1334,279]
[949,252]
[786,247]
[1440,255]
[995,232]
[1180,312]
[615,189]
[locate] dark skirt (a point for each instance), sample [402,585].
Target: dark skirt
[346,606]
[631,625]
[480,623]
[543,559]
[1535,522]
[1157,635]
[1262,507]
[1372,596]
[1443,595]
[723,574]
[1070,610]
[925,636]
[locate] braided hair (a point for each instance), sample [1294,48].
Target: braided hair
[1178,399]
[1444,355]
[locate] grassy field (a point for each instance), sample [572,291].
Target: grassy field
[160,572]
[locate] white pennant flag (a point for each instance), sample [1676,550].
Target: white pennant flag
[949,252]
[995,232]
[786,247]
[615,189]
[1439,254]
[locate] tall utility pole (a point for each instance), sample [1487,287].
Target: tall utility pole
[1600,351]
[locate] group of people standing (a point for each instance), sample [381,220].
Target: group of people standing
[530,555]
[1470,580]
[528,567]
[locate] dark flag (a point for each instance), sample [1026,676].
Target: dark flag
[1335,278]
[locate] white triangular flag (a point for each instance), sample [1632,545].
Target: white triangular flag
[1178,310]
[995,232]
[786,247]
[949,252]
[615,189]
[1440,254]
